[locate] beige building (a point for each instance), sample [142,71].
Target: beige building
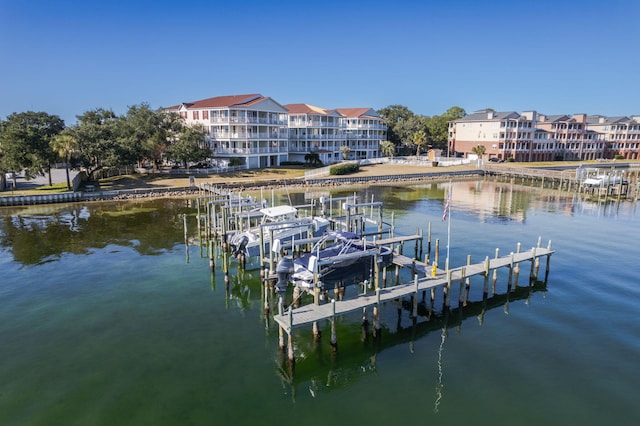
[531,136]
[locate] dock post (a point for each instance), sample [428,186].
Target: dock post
[461,292]
[447,292]
[437,252]
[532,274]
[267,308]
[510,279]
[414,313]
[485,288]
[212,262]
[281,343]
[467,283]
[429,240]
[376,314]
[495,271]
[316,331]
[334,339]
[290,345]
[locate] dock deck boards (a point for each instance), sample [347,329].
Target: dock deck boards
[310,313]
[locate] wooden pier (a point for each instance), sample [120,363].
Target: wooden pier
[312,313]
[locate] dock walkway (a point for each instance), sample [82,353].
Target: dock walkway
[311,313]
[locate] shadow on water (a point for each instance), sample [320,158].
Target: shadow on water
[320,367]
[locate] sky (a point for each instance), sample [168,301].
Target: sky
[66,57]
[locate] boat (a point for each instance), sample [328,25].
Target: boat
[284,223]
[346,260]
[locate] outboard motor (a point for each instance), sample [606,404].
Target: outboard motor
[238,247]
[284,269]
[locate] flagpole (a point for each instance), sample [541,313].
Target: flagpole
[448,226]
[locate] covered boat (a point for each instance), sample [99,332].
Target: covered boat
[281,221]
[347,260]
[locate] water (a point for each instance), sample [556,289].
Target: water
[108,319]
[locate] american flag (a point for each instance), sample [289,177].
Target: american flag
[446,209]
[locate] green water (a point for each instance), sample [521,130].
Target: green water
[107,318]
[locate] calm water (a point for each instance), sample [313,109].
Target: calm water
[106,318]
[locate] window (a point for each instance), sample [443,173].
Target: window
[196,115]
[205,115]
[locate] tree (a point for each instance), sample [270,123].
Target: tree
[387,148]
[345,150]
[397,117]
[419,139]
[102,141]
[479,150]
[24,143]
[313,159]
[188,145]
[145,132]
[65,145]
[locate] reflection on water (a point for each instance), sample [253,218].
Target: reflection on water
[105,322]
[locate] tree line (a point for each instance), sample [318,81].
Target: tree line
[409,133]
[33,142]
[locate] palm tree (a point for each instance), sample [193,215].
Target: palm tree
[65,145]
[388,148]
[479,150]
[419,139]
[345,150]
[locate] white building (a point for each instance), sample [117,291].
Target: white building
[315,130]
[365,131]
[251,128]
[259,132]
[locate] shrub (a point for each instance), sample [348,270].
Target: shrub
[344,169]
[619,157]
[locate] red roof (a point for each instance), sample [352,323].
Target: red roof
[222,102]
[305,109]
[355,112]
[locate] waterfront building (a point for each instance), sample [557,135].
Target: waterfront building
[259,132]
[531,136]
[620,134]
[248,129]
[365,130]
[315,130]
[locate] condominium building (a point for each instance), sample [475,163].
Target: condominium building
[531,136]
[250,128]
[365,131]
[315,130]
[621,135]
[259,132]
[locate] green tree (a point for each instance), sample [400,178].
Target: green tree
[188,145]
[313,159]
[102,141]
[387,148]
[65,145]
[438,126]
[24,143]
[145,132]
[419,139]
[400,120]
[479,150]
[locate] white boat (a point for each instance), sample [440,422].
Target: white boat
[346,261]
[602,180]
[284,223]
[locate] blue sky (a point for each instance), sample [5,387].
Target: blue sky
[557,57]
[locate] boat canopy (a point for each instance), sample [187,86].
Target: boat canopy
[278,211]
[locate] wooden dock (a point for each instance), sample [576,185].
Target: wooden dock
[312,313]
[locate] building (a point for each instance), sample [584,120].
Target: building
[259,132]
[365,131]
[621,135]
[531,136]
[315,130]
[249,129]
